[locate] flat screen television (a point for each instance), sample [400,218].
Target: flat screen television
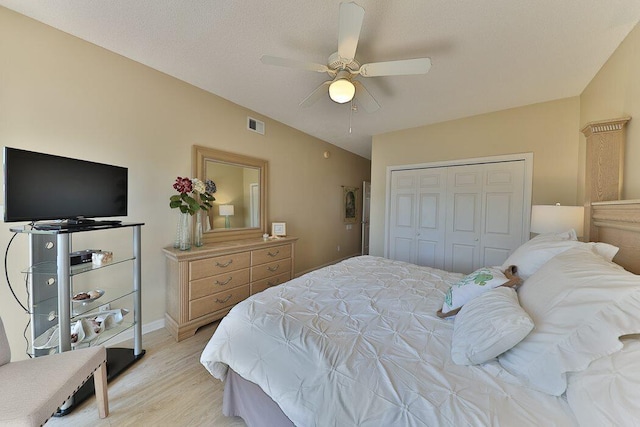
[40,186]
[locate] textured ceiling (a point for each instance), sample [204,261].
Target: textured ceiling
[487,55]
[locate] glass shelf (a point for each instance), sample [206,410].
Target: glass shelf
[79,309]
[102,338]
[52,268]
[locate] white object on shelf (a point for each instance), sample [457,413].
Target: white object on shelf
[101,257]
[93,295]
[86,329]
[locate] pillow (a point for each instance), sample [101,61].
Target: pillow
[532,255]
[488,326]
[607,392]
[475,284]
[580,304]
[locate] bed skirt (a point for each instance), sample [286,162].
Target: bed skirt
[246,400]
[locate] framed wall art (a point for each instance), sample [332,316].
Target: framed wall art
[349,211]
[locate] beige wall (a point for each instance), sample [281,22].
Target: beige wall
[64,96]
[548,130]
[615,92]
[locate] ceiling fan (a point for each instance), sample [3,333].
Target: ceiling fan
[343,68]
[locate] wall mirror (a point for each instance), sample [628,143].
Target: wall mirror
[239,210]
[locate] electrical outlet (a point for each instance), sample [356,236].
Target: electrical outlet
[338,248]
[104,307]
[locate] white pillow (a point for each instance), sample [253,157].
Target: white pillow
[532,255]
[488,326]
[580,304]
[470,286]
[607,392]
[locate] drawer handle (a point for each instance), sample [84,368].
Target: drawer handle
[272,269]
[226,264]
[222,301]
[273,283]
[225,282]
[272,254]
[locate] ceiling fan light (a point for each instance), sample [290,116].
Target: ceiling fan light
[342,91]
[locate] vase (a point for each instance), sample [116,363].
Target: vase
[197,236]
[183,232]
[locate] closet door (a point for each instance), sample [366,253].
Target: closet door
[464,218]
[484,214]
[502,213]
[418,216]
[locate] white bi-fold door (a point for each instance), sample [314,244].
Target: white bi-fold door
[457,218]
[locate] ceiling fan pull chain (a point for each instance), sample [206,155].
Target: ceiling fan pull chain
[350,115]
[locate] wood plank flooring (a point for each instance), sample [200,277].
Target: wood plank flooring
[167,387]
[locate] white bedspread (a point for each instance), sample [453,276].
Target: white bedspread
[358,343]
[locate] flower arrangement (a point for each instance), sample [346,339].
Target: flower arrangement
[201,199]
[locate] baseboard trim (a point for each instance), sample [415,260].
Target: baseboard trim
[128,334]
[335,261]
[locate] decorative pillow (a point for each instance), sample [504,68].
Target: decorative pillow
[607,392]
[475,284]
[580,304]
[488,326]
[532,255]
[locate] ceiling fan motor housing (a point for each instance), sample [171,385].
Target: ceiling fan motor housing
[337,63]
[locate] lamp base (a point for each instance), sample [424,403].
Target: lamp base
[227,223]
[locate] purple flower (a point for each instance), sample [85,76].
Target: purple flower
[211,186]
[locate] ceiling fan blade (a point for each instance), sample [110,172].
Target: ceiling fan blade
[396,68]
[364,98]
[293,63]
[318,93]
[351,17]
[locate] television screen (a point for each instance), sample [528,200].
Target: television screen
[40,186]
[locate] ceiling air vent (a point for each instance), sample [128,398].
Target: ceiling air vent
[255,125]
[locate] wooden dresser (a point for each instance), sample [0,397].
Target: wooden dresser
[204,283]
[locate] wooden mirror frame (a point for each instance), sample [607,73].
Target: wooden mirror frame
[200,155]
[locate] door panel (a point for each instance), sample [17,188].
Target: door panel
[403,249]
[417,215]
[463,256]
[366,209]
[464,201]
[503,211]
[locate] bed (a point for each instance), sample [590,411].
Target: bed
[360,342]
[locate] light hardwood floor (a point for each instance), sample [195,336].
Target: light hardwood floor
[167,387]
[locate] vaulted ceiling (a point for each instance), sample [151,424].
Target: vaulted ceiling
[487,55]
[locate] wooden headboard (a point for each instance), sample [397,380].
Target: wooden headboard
[607,218]
[618,223]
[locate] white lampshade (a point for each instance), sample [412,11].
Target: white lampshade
[557,218]
[226,210]
[342,91]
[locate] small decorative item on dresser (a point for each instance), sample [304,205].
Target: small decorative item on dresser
[278,229]
[197,236]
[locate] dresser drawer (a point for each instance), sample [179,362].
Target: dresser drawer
[218,265]
[218,301]
[271,269]
[210,285]
[263,284]
[261,256]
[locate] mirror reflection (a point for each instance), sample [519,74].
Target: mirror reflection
[237,203]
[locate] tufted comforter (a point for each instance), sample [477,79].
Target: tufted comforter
[359,343]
